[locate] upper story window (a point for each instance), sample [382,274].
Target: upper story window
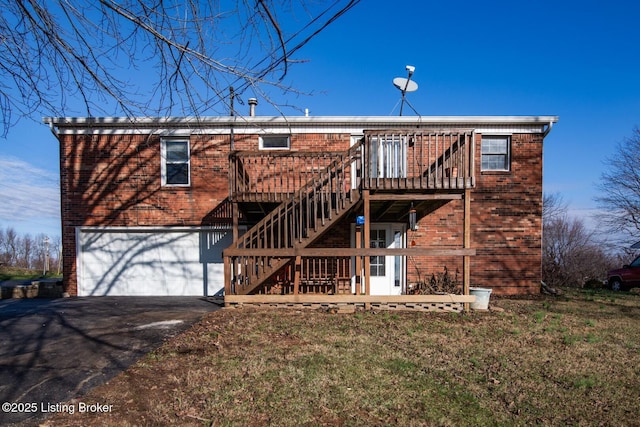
[176,164]
[275,142]
[496,153]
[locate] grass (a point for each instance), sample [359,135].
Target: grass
[571,360]
[15,273]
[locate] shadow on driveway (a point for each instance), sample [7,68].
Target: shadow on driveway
[54,350]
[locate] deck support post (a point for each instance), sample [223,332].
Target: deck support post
[466,260]
[227,278]
[367,244]
[234,218]
[296,275]
[358,278]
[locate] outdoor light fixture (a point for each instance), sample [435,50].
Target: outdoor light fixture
[413,224]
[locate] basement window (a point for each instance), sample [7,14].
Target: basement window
[496,153]
[176,164]
[275,142]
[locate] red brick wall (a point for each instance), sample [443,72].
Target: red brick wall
[506,226]
[114,180]
[442,228]
[506,221]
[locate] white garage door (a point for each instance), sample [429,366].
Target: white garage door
[151,262]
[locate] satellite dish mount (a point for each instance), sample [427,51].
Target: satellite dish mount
[406,85]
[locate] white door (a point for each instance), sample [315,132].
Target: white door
[387,272]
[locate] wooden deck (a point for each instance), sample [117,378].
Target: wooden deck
[304,194]
[390,160]
[438,303]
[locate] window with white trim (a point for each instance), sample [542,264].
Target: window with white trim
[496,153]
[275,142]
[176,163]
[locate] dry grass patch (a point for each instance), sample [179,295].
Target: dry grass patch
[552,361]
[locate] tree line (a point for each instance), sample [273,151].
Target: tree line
[574,254]
[39,252]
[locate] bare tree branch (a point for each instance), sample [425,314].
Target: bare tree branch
[553,206]
[620,189]
[141,58]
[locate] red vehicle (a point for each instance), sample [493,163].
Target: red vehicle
[626,277]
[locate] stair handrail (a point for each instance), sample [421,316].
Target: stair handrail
[346,158]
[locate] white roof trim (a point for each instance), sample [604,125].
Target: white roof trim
[180,126]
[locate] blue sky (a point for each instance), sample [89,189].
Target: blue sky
[577,60]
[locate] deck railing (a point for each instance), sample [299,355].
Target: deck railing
[313,275]
[391,160]
[324,195]
[296,222]
[275,176]
[418,160]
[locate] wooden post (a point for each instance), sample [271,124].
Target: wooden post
[358,277]
[296,275]
[234,220]
[466,260]
[230,263]
[227,279]
[367,244]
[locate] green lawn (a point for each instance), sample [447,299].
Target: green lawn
[15,273]
[569,360]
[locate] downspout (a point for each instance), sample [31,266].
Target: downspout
[547,130]
[49,121]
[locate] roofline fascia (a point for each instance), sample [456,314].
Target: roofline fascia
[203,124]
[298,120]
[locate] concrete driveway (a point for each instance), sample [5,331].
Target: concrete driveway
[53,350]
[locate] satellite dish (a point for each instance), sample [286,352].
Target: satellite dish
[405,85]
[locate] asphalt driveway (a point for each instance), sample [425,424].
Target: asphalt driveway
[54,350]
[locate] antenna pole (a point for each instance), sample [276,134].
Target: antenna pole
[405,85]
[232,139]
[404,90]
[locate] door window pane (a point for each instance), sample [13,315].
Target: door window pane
[378,239]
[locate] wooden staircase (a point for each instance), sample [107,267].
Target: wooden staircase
[296,223]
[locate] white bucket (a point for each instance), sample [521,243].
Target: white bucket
[482,298]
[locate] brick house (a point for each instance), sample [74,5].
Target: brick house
[301,205]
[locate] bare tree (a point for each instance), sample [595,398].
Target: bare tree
[40,252]
[139,57]
[619,189]
[11,246]
[25,251]
[4,256]
[553,206]
[571,253]
[56,254]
